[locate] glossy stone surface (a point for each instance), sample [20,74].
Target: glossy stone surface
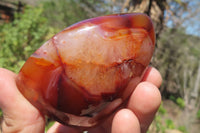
[84,73]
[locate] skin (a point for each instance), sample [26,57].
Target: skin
[21,117]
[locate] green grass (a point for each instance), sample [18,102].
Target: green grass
[1,113]
[49,125]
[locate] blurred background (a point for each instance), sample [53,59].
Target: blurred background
[27,24]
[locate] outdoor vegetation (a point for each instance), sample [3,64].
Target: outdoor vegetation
[177,53]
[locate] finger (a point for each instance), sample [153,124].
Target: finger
[10,97]
[19,114]
[144,102]
[150,74]
[125,121]
[153,75]
[59,128]
[6,88]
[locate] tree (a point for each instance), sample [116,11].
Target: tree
[21,37]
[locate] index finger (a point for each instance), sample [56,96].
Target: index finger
[146,98]
[153,76]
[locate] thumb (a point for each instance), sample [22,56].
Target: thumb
[19,115]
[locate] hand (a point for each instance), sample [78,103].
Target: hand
[20,116]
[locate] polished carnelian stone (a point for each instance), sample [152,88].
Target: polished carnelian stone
[84,73]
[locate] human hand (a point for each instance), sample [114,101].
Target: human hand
[20,116]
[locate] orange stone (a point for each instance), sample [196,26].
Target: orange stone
[83,74]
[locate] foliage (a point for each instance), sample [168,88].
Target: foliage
[163,122]
[161,109]
[21,37]
[182,129]
[179,101]
[49,125]
[177,57]
[1,113]
[62,13]
[169,124]
[160,128]
[198,114]
[184,13]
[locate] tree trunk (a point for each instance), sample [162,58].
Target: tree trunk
[154,8]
